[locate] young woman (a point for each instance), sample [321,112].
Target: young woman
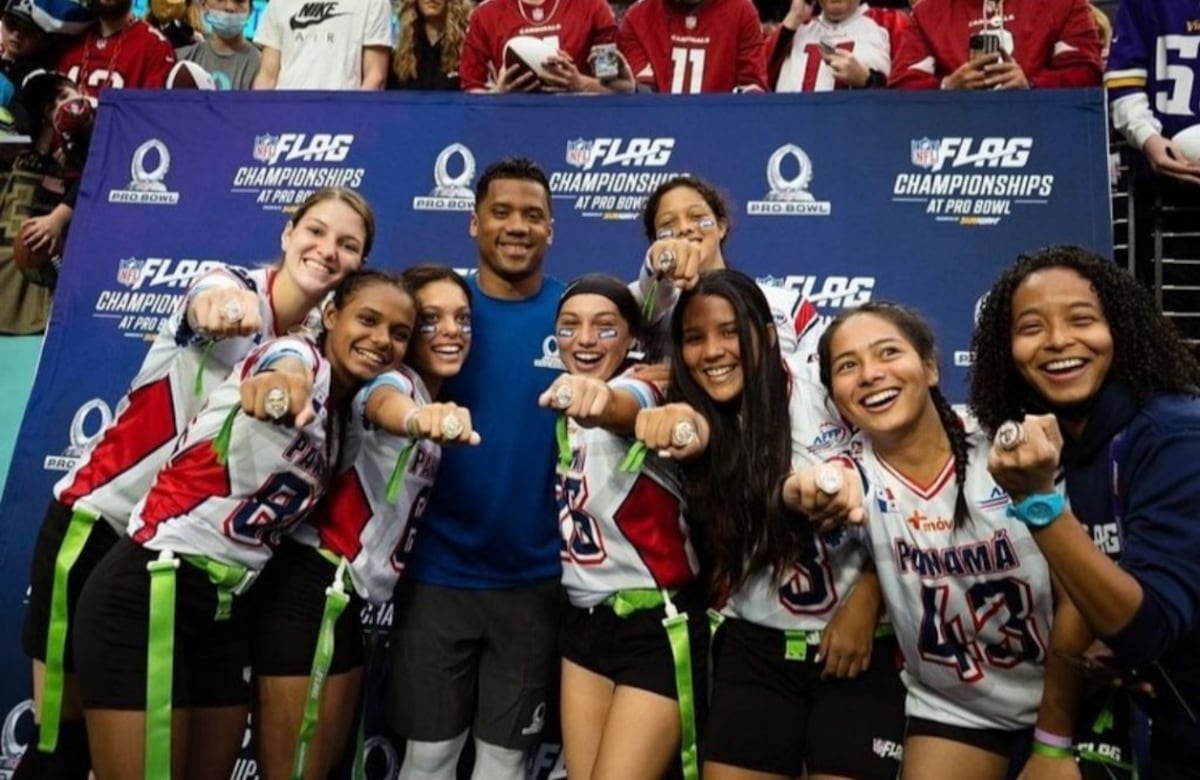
[965,586]
[430,44]
[627,559]
[798,610]
[212,517]
[355,544]
[223,315]
[1074,349]
[686,221]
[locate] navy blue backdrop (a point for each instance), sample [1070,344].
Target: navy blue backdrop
[849,197]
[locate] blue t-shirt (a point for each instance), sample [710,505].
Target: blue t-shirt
[491,520]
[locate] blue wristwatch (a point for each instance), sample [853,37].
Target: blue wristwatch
[1038,510]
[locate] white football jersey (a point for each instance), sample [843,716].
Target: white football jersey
[805,70]
[971,606]
[619,530]
[274,474]
[811,591]
[797,322]
[116,470]
[357,521]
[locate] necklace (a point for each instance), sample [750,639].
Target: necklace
[536,14]
[85,70]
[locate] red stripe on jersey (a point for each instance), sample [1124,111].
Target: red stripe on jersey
[806,316]
[346,512]
[929,491]
[147,424]
[649,519]
[192,477]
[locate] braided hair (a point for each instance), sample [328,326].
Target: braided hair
[919,335]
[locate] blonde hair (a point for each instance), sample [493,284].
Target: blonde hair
[1103,27]
[404,63]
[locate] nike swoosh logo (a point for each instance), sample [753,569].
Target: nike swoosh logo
[300,22]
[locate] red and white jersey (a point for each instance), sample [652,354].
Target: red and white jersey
[238,511]
[715,46]
[815,586]
[971,606]
[798,324]
[118,466]
[137,57]
[357,521]
[619,530]
[574,26]
[804,70]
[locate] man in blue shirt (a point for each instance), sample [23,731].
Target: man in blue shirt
[474,643]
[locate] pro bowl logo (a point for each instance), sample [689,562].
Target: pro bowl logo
[291,166]
[971,181]
[610,177]
[148,292]
[148,170]
[89,421]
[789,196]
[453,172]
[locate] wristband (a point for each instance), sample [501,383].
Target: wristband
[1050,751]
[1037,510]
[1053,740]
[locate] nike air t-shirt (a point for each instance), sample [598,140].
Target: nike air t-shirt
[321,42]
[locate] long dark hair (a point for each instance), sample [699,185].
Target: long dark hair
[731,487]
[919,335]
[1148,354]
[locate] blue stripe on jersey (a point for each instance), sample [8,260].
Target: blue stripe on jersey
[643,394]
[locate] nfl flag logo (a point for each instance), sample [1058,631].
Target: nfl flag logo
[129,271]
[579,153]
[264,147]
[925,152]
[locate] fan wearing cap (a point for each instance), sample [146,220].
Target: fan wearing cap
[23,47]
[629,686]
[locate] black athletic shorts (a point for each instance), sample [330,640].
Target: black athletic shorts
[41,578]
[473,658]
[212,657]
[999,741]
[770,714]
[634,650]
[287,603]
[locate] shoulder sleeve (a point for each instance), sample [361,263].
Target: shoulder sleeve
[631,46]
[1075,60]
[473,67]
[1161,544]
[160,58]
[379,24]
[751,61]
[648,396]
[913,63]
[604,25]
[275,350]
[269,31]
[1128,74]
[778,48]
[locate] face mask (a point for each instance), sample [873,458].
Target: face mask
[72,116]
[226,24]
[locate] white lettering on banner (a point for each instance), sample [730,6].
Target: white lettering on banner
[451,192]
[975,199]
[650,152]
[284,187]
[789,196]
[318,147]
[136,273]
[612,195]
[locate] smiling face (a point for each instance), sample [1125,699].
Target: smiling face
[323,246]
[443,330]
[683,213]
[593,337]
[512,228]
[369,334]
[877,379]
[710,348]
[1061,342]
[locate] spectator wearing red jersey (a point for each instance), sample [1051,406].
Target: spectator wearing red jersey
[119,51]
[1042,43]
[844,46]
[573,26]
[691,46]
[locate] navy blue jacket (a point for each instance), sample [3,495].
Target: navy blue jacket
[1151,527]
